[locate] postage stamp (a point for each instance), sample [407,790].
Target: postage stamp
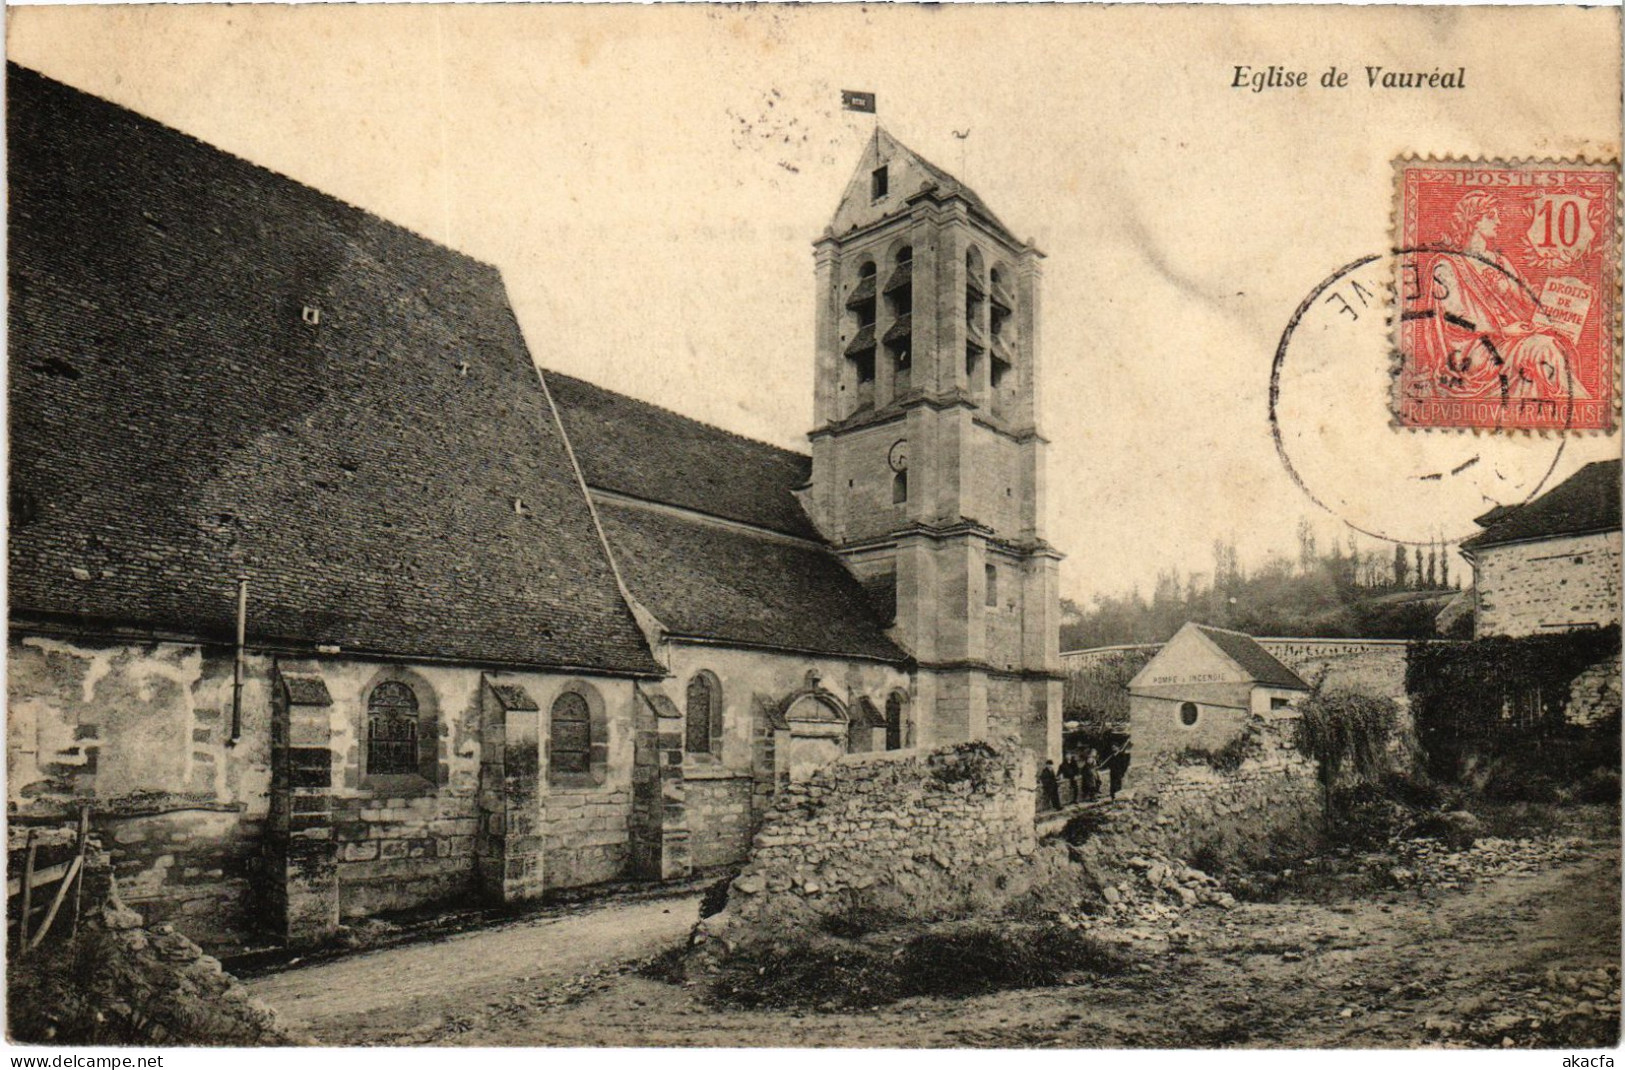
[1508,295]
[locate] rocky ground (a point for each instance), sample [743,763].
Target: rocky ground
[1511,942]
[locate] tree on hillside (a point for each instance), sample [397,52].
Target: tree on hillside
[1402,566]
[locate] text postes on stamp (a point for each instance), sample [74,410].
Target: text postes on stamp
[1508,295]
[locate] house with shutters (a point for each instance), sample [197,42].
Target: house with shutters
[326,601]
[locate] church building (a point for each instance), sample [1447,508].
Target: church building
[325,601]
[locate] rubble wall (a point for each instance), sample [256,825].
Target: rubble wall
[1594,695]
[924,834]
[1272,803]
[117,981]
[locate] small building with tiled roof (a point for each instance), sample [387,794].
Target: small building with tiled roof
[1553,563]
[1202,689]
[327,602]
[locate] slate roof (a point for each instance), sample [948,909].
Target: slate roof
[644,451]
[1260,664]
[514,697]
[1587,501]
[704,580]
[948,185]
[176,419]
[307,691]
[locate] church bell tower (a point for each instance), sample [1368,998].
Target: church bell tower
[928,464]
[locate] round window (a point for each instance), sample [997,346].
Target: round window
[1187,714]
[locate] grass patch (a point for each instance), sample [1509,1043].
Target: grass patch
[958,959]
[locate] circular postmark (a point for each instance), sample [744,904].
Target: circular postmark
[1372,335]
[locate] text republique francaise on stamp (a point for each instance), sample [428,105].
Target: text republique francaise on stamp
[1508,295]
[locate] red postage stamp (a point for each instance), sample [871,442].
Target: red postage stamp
[1508,295]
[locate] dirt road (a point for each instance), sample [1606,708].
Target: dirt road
[1506,960]
[404,995]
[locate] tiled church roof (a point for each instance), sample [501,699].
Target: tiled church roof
[702,579]
[644,451]
[725,584]
[218,371]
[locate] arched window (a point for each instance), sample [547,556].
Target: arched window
[577,738]
[392,729]
[703,715]
[899,487]
[975,288]
[992,574]
[570,740]
[894,721]
[1188,714]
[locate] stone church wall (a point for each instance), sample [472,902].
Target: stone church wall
[202,835]
[726,794]
[199,834]
[141,730]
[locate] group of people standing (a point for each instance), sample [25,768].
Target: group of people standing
[1079,775]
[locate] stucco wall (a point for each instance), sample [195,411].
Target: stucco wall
[720,821]
[1532,587]
[1155,727]
[167,705]
[141,731]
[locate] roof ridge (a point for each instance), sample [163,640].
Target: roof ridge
[942,176]
[673,412]
[13,67]
[1227,631]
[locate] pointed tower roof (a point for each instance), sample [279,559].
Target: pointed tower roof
[909,176]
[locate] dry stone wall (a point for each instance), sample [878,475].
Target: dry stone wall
[1594,696]
[925,834]
[919,836]
[1270,804]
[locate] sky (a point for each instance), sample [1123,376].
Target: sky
[650,182]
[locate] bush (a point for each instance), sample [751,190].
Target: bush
[1462,695]
[1364,817]
[949,960]
[1597,786]
[1228,758]
[1347,732]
